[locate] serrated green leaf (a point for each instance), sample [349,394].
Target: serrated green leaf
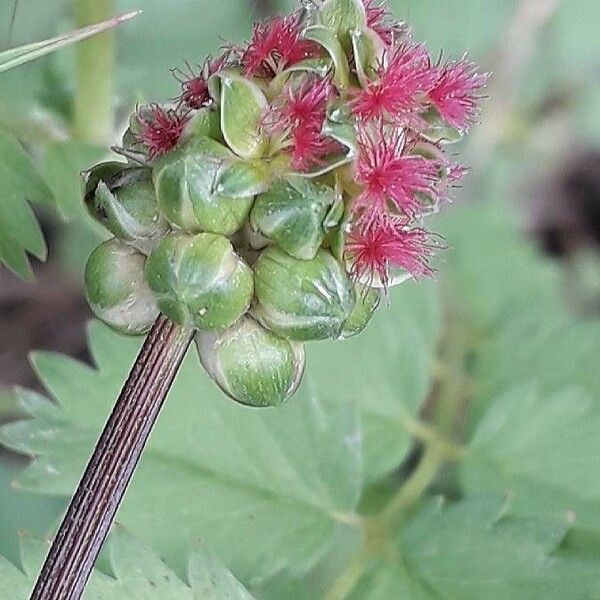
[14,57]
[285,480]
[21,510]
[19,184]
[136,573]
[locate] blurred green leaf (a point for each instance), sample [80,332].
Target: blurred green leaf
[478,549]
[286,479]
[15,57]
[21,510]
[386,371]
[135,573]
[19,184]
[63,165]
[542,451]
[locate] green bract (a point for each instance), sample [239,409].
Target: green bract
[116,289]
[204,123]
[293,213]
[199,280]
[302,299]
[367,301]
[185,186]
[242,109]
[252,365]
[327,38]
[123,200]
[342,17]
[243,179]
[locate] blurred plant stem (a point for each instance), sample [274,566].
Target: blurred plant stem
[93,110]
[439,436]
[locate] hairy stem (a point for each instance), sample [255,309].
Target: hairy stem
[93,109]
[102,487]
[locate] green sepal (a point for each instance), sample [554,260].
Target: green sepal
[243,179]
[326,38]
[252,365]
[242,105]
[199,280]
[369,50]
[342,18]
[367,302]
[185,187]
[293,213]
[116,289]
[123,200]
[302,299]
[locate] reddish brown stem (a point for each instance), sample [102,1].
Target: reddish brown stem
[99,494]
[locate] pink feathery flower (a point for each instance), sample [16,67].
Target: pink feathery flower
[381,22]
[455,93]
[372,251]
[275,45]
[194,86]
[403,82]
[160,129]
[390,177]
[301,115]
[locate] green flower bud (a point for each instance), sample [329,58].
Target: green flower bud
[185,186]
[302,299]
[367,302]
[199,280]
[123,200]
[116,289]
[252,365]
[294,213]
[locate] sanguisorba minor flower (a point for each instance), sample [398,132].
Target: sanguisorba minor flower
[283,189]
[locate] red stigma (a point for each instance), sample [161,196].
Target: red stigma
[404,80]
[381,22]
[455,93]
[160,129]
[275,45]
[372,251]
[194,86]
[391,178]
[301,115]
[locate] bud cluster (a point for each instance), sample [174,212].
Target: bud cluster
[283,189]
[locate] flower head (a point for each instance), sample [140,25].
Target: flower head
[403,81]
[194,86]
[381,22]
[160,129]
[390,177]
[275,45]
[373,250]
[301,116]
[455,93]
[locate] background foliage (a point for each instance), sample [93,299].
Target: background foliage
[449,452]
